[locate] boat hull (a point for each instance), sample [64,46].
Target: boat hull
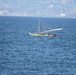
[43,34]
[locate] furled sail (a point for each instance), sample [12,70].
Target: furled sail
[52,30]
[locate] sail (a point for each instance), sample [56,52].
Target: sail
[52,30]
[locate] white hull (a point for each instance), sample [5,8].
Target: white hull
[38,34]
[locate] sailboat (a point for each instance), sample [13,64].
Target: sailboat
[44,33]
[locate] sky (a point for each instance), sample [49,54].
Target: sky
[38,8]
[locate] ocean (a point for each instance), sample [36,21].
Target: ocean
[22,54]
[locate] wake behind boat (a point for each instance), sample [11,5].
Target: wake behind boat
[44,33]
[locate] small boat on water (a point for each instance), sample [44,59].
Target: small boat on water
[44,33]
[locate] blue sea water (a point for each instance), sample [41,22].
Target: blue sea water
[22,54]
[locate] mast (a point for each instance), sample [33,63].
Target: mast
[38,26]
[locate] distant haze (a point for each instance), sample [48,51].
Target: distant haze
[38,8]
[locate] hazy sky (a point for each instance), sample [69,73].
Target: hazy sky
[42,8]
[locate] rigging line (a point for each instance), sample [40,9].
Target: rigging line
[45,24]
